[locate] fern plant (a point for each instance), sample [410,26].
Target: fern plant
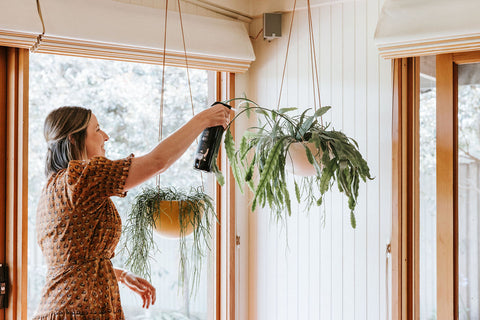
[265,148]
[196,210]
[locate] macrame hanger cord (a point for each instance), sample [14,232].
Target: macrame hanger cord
[286,55]
[188,73]
[39,39]
[160,127]
[314,62]
[313,58]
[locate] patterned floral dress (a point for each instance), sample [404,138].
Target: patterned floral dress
[78,229]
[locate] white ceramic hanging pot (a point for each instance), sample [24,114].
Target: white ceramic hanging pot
[167,219]
[297,161]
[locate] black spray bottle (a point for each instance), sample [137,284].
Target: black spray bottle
[208,145]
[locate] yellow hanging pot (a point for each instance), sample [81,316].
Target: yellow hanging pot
[174,218]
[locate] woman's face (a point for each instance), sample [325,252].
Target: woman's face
[95,139]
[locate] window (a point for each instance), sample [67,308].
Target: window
[125,97]
[436,187]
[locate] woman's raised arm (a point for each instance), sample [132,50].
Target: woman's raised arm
[171,148]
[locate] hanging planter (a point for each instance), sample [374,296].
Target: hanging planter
[173,213]
[297,160]
[274,147]
[280,138]
[176,218]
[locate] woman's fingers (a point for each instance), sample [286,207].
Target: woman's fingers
[143,288]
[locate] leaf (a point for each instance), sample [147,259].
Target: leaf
[306,126]
[243,146]
[309,155]
[285,110]
[353,221]
[287,199]
[249,173]
[297,192]
[218,174]
[270,166]
[320,112]
[231,155]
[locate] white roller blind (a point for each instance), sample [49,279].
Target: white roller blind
[19,23]
[114,30]
[421,27]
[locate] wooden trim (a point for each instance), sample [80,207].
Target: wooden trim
[225,300]
[447,283]
[466,57]
[397,300]
[17,181]
[218,255]
[232,233]
[414,179]
[429,47]
[17,39]
[3,156]
[405,185]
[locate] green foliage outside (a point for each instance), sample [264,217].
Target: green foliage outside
[125,97]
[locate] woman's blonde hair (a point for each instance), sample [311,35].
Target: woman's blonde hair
[65,130]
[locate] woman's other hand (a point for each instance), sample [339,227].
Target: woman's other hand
[140,286]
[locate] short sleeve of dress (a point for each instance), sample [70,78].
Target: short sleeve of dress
[98,177]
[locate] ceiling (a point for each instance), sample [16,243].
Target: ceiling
[240,9]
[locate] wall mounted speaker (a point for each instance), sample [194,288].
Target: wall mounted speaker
[272,25]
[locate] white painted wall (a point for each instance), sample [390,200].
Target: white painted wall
[306,269]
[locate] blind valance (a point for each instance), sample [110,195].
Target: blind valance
[115,30]
[422,27]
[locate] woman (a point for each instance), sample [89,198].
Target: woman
[77,223]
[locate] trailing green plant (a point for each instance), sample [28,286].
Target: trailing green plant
[196,209]
[265,148]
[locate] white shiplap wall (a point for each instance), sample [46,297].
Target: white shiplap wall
[307,269]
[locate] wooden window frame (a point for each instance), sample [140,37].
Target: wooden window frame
[14,190]
[14,168]
[405,185]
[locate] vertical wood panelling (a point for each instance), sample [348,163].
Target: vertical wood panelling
[313,227]
[316,266]
[338,208]
[349,129]
[360,100]
[384,176]
[325,230]
[373,194]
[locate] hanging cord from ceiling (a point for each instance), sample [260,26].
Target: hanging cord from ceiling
[286,55]
[38,41]
[163,76]
[313,59]
[160,126]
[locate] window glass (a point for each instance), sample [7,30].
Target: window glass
[468,191]
[427,183]
[125,97]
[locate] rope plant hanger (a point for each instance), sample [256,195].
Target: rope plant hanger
[162,94]
[172,212]
[316,155]
[313,59]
